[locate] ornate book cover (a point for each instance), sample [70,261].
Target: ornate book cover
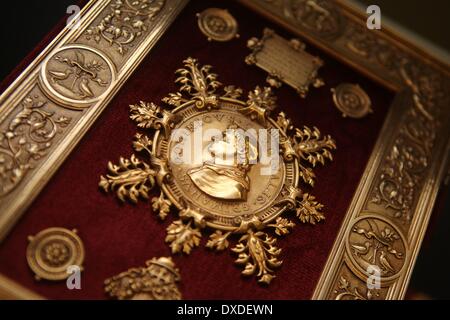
[89,126]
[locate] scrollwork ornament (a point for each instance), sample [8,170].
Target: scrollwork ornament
[319,16]
[125,23]
[222,197]
[285,62]
[347,291]
[26,140]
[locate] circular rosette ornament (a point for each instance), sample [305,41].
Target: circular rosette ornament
[53,252]
[226,165]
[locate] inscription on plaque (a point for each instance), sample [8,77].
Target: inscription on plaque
[285,61]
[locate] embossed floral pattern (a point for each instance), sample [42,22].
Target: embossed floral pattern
[26,140]
[56,253]
[125,23]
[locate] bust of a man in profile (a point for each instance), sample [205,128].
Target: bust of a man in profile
[225,177]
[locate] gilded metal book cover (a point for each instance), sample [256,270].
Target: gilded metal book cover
[224,150]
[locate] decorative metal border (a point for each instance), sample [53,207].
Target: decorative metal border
[397,191]
[50,106]
[10,290]
[411,165]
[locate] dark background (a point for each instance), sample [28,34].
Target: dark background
[428,19]
[24,24]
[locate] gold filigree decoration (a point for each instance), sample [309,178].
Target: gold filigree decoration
[311,147]
[217,24]
[126,22]
[161,205]
[307,145]
[26,140]
[262,98]
[149,115]
[282,226]
[198,83]
[56,253]
[261,101]
[182,237]
[372,48]
[53,252]
[309,210]
[409,157]
[232,92]
[395,190]
[345,291]
[319,16]
[375,242]
[351,100]
[79,74]
[218,241]
[156,281]
[131,179]
[259,255]
[256,249]
[404,165]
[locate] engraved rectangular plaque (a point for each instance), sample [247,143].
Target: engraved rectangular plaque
[285,61]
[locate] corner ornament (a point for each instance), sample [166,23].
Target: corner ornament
[238,199]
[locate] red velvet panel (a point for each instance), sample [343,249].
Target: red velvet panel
[119,236]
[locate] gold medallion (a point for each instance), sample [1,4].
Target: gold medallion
[217,24]
[226,165]
[351,100]
[52,251]
[156,281]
